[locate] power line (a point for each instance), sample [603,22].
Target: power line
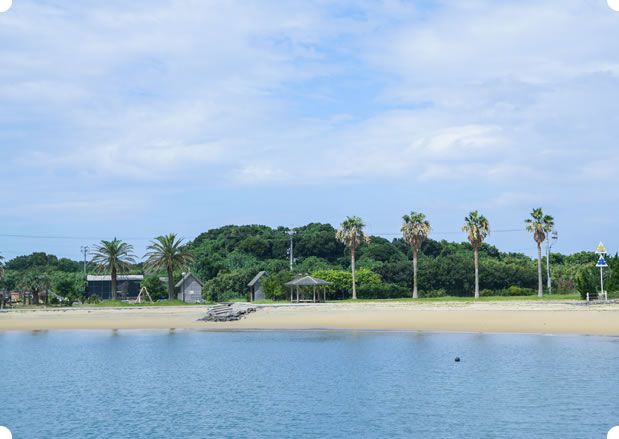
[142,238]
[82,238]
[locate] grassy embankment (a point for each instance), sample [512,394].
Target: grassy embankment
[546,298]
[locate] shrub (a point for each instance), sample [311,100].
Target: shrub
[517,291]
[486,293]
[156,288]
[384,291]
[433,293]
[226,286]
[273,285]
[341,281]
[93,299]
[586,281]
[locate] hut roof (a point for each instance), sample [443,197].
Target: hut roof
[256,278]
[185,277]
[307,280]
[120,277]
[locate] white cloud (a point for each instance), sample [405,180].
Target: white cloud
[457,91]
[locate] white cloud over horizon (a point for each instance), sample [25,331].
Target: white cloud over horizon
[506,97]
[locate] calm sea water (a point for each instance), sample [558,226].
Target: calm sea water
[307,385]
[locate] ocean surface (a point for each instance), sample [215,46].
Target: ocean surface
[191,384]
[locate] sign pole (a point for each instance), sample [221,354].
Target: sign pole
[602,280]
[601,251]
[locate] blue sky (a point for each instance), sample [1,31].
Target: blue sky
[134,119]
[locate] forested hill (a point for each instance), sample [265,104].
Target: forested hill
[228,257]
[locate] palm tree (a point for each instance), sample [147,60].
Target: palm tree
[351,235]
[477,229]
[36,283]
[415,230]
[167,253]
[114,257]
[540,225]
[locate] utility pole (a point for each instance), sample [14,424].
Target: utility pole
[549,243]
[291,249]
[84,249]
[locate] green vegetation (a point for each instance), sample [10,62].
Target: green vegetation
[540,225]
[121,304]
[113,257]
[351,234]
[415,230]
[167,253]
[368,268]
[477,229]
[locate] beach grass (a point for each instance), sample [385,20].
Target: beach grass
[546,298]
[121,304]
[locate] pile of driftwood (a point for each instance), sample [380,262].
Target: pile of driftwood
[227,312]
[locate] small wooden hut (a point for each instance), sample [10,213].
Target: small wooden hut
[255,287]
[189,289]
[306,284]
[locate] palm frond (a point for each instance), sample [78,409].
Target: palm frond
[415,229]
[476,227]
[351,232]
[539,224]
[167,253]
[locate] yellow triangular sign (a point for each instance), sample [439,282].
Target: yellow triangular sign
[600,249]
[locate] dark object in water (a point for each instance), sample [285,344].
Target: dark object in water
[457,359]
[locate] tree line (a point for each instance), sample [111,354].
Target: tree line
[357,265]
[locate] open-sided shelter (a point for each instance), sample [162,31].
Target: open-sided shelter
[306,284]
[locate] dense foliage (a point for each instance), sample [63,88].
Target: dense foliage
[227,258]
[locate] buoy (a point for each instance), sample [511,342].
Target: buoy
[457,359]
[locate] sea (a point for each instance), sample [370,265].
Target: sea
[306,384]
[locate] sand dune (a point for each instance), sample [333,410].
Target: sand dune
[518,317]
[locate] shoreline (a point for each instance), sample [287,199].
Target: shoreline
[449,317]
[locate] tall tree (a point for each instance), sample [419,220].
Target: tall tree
[167,253]
[351,234]
[540,225]
[415,229]
[36,283]
[477,229]
[113,257]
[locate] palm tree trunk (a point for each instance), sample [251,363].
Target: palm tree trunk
[540,283]
[415,293]
[170,284]
[354,277]
[35,296]
[113,283]
[476,252]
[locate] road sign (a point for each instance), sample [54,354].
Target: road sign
[600,249]
[601,263]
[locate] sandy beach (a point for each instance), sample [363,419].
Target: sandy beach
[514,317]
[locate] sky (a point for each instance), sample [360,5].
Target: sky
[135,119]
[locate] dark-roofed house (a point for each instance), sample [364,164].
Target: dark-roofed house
[190,289]
[128,286]
[255,287]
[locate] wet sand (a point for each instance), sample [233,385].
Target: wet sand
[512,317]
